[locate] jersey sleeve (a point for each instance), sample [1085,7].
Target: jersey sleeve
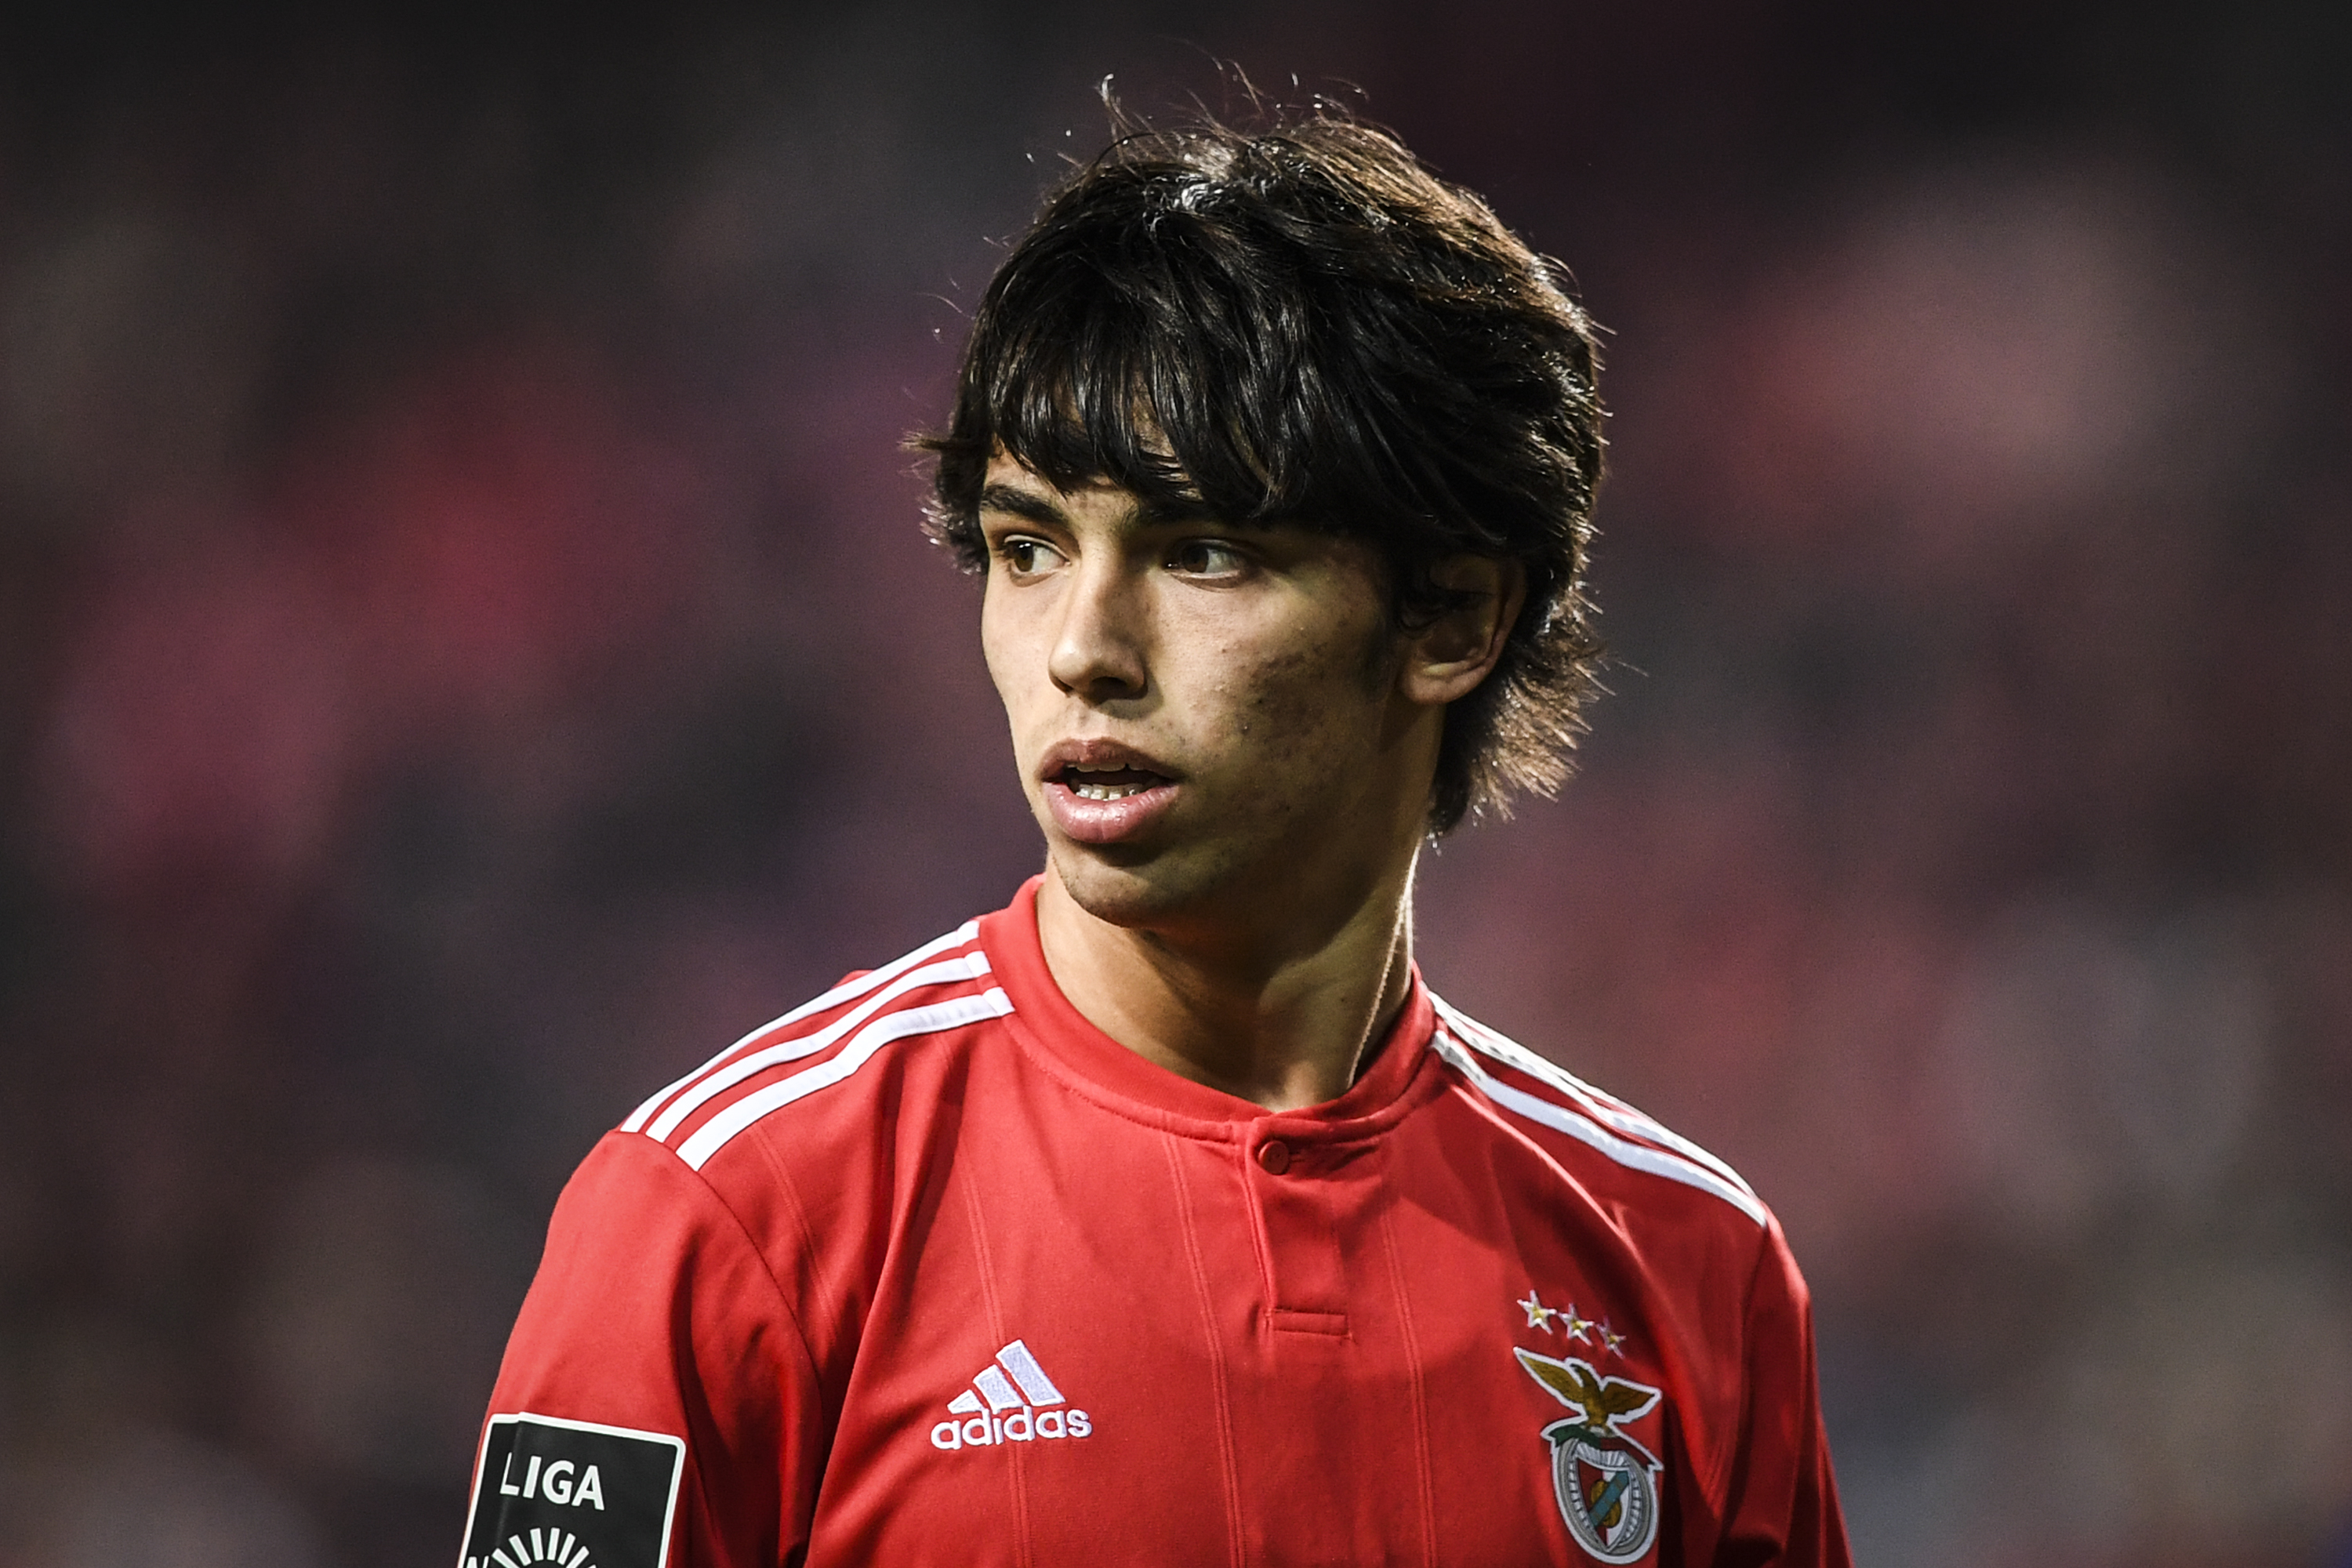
[1782,1504]
[657,1369]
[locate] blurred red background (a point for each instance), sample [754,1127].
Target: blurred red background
[467,652]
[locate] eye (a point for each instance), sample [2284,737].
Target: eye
[1025,556]
[1212,558]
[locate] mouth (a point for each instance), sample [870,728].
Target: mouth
[1107,783]
[1101,791]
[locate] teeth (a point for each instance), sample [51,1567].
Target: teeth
[1105,792]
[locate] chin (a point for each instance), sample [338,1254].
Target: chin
[1133,890]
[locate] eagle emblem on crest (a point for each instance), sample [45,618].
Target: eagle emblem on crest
[1605,1482]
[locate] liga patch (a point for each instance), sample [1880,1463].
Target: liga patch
[572,1493]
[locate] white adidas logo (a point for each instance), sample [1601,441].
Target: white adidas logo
[1014,1408]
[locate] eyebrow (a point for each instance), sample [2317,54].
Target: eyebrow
[1023,503]
[1150,512]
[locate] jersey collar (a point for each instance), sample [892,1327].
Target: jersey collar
[1055,1032]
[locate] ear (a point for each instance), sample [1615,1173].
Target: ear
[1448,659]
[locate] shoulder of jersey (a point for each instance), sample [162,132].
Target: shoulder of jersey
[1527,1086]
[942,984]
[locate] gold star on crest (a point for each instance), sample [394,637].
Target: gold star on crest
[1576,1328]
[1538,1315]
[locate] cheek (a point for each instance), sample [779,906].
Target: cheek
[1299,705]
[1004,648]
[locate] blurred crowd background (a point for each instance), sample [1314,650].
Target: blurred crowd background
[466,653]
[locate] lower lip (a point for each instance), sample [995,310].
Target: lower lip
[1107,821]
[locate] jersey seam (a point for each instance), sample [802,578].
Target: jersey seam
[785,1306]
[1735,1454]
[1418,1383]
[767,1270]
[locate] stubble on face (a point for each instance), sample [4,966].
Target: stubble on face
[1283,750]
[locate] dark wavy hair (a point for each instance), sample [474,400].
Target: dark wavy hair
[1299,323]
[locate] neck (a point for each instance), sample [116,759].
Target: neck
[1285,1014]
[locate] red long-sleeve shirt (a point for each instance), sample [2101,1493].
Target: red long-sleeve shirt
[931,1270]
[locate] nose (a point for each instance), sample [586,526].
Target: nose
[1098,648]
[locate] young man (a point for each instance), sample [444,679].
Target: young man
[1165,1216]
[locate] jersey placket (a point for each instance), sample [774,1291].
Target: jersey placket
[1298,1191]
[1321,1374]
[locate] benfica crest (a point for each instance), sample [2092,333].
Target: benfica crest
[1606,1483]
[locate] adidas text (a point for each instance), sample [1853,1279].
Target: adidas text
[1021,1426]
[1011,1400]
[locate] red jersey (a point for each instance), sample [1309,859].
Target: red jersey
[932,1270]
